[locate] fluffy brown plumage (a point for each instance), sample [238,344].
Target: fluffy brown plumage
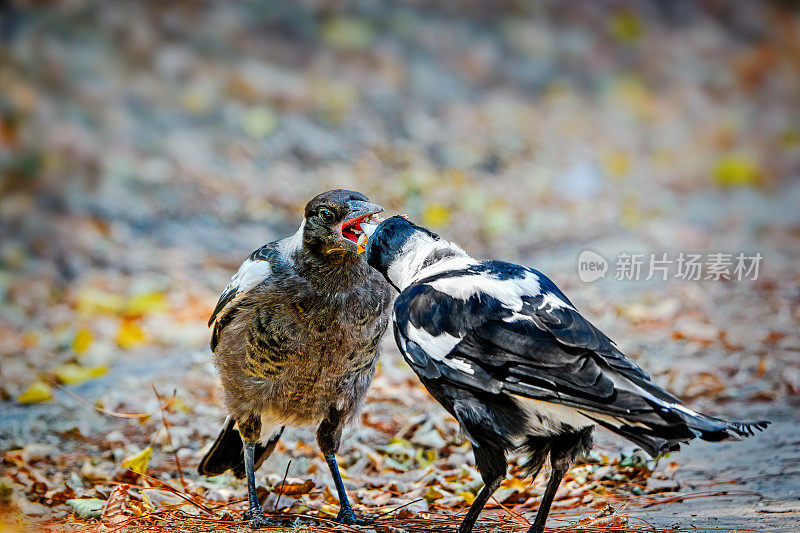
[296,338]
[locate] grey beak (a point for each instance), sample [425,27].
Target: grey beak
[358,209]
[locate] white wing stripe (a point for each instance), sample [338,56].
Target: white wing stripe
[436,346]
[251,273]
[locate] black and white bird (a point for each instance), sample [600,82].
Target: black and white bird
[509,356]
[295,341]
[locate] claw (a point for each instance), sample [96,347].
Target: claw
[257,519]
[348,517]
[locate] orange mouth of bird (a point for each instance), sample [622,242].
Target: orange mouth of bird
[359,229]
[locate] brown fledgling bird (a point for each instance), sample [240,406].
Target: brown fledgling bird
[295,342]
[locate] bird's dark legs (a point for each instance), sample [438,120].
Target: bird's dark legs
[492,465]
[564,449]
[477,506]
[328,436]
[255,516]
[346,514]
[547,500]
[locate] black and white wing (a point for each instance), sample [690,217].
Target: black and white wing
[507,329]
[255,270]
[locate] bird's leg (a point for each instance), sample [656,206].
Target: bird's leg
[329,435]
[477,506]
[491,462]
[559,471]
[250,431]
[564,449]
[346,514]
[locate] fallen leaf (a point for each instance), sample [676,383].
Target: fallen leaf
[72,374]
[87,507]
[130,335]
[626,27]
[348,33]
[116,509]
[37,392]
[294,489]
[138,462]
[259,122]
[436,215]
[83,339]
[95,301]
[736,171]
[146,302]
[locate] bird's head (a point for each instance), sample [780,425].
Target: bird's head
[399,249]
[332,221]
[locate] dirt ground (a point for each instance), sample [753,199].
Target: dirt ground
[752,485]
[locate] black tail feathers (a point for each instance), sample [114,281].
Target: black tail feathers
[724,430]
[677,426]
[227,452]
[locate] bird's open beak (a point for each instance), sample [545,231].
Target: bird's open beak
[357,212]
[357,209]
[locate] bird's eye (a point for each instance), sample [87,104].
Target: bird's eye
[326,215]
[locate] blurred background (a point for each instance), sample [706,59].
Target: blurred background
[147,147]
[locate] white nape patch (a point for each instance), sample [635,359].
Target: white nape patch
[546,418]
[251,273]
[288,246]
[458,262]
[408,266]
[508,291]
[436,346]
[459,364]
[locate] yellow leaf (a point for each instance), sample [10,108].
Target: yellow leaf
[146,302]
[38,392]
[436,215]
[130,335]
[72,374]
[433,494]
[95,301]
[259,122]
[82,341]
[626,27]
[736,171]
[519,485]
[348,33]
[617,163]
[328,511]
[138,462]
[468,497]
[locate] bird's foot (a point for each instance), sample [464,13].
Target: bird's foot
[348,517]
[256,518]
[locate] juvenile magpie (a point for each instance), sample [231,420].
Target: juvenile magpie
[509,356]
[295,341]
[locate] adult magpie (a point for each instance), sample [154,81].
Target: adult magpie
[295,341]
[509,356]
